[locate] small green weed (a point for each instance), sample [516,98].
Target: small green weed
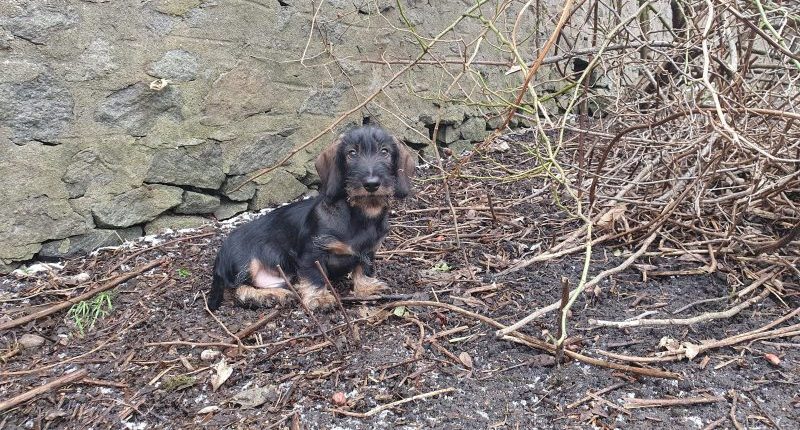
[86,313]
[183,273]
[442,266]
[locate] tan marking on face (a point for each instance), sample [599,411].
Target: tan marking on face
[249,295]
[315,297]
[366,286]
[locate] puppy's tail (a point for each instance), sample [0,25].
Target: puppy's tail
[217,288]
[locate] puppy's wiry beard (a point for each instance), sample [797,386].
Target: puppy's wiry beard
[371,204]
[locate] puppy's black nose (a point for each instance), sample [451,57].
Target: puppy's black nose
[372,183]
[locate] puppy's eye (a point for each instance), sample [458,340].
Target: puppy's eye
[352,153]
[384,151]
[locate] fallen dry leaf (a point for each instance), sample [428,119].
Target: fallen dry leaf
[669,344]
[207,410]
[607,221]
[466,360]
[253,397]
[223,372]
[691,350]
[499,146]
[209,354]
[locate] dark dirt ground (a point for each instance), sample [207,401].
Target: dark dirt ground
[135,384]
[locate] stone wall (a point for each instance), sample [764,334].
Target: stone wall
[121,117]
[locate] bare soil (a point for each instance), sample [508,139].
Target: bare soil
[139,377]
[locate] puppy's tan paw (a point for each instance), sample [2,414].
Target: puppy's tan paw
[314,297]
[366,286]
[253,298]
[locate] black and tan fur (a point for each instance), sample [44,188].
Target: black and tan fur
[341,228]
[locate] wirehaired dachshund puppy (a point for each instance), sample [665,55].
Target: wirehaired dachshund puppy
[341,228]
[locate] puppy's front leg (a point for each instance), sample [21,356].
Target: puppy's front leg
[364,285]
[312,290]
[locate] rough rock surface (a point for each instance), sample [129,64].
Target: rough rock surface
[86,243]
[136,206]
[197,203]
[174,222]
[176,65]
[137,107]
[194,164]
[237,188]
[38,109]
[229,210]
[275,188]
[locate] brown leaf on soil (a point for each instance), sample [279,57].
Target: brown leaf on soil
[607,221]
[255,396]
[466,360]
[222,373]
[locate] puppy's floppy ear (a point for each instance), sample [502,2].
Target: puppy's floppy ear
[406,169]
[329,171]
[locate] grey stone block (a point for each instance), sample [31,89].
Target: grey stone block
[246,155]
[174,222]
[276,188]
[135,108]
[197,203]
[175,65]
[447,134]
[229,210]
[39,109]
[244,193]
[198,165]
[88,242]
[136,206]
[474,129]
[38,22]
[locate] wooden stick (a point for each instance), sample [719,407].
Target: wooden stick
[247,331]
[759,333]
[87,295]
[561,321]
[160,245]
[352,299]
[338,298]
[307,310]
[658,403]
[52,385]
[655,373]
[682,321]
[378,409]
[596,393]
[594,281]
[538,344]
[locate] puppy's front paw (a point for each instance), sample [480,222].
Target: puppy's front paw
[366,286]
[315,297]
[254,298]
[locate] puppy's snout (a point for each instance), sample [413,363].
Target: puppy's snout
[372,183]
